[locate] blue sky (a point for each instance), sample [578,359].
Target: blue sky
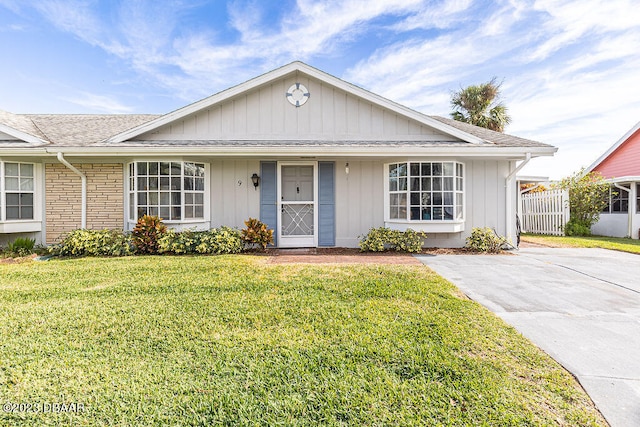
[570,69]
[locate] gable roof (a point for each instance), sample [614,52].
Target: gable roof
[613,148]
[282,72]
[136,133]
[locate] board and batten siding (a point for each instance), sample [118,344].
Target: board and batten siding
[233,197]
[359,198]
[265,113]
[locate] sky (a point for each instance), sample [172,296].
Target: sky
[570,70]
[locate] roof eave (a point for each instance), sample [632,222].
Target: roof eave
[24,136]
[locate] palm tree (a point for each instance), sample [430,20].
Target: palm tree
[477,104]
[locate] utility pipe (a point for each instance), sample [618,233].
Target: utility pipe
[508,198]
[83,179]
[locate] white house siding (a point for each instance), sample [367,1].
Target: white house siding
[359,200]
[614,225]
[264,113]
[359,197]
[233,197]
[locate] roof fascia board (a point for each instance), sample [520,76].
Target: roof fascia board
[281,72]
[613,148]
[468,151]
[26,137]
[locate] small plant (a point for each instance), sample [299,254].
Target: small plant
[577,228]
[224,240]
[20,247]
[382,238]
[485,240]
[257,233]
[94,243]
[146,234]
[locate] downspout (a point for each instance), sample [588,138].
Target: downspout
[508,193]
[629,210]
[83,179]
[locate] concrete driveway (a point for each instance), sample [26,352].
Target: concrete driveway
[581,306]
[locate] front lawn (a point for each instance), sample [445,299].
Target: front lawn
[614,243]
[231,340]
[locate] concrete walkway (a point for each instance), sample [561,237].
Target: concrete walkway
[581,306]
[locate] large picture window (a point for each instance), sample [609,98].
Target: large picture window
[18,191]
[174,191]
[425,191]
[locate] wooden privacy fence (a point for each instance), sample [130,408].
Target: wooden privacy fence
[545,212]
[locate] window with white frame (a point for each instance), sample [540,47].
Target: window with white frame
[18,188]
[618,201]
[425,191]
[174,191]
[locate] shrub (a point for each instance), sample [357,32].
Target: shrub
[147,232]
[257,233]
[577,228]
[224,240]
[485,240]
[94,243]
[381,239]
[588,196]
[21,246]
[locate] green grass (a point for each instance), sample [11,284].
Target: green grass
[231,341]
[614,243]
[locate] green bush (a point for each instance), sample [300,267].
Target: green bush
[485,240]
[576,227]
[148,230]
[94,243]
[224,240]
[257,233]
[382,238]
[21,246]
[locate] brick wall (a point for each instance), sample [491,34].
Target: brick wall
[105,198]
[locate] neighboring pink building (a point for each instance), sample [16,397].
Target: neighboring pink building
[620,165]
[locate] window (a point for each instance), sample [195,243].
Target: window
[618,201]
[637,198]
[18,191]
[174,191]
[426,191]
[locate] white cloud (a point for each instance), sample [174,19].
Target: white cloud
[99,103]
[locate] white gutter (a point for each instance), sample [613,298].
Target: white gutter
[83,179]
[508,199]
[629,208]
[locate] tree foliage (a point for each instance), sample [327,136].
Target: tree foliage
[588,196]
[480,106]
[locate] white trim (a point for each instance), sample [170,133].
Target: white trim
[22,225]
[282,72]
[182,224]
[297,242]
[513,153]
[26,137]
[613,148]
[454,225]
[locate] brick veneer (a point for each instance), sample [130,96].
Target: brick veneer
[105,198]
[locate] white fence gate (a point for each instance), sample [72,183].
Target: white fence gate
[545,212]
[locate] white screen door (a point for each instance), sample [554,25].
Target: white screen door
[298,211]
